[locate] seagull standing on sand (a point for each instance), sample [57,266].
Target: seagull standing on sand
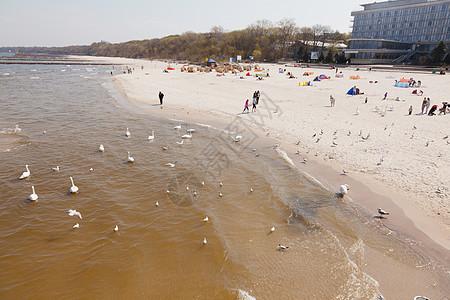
[116,228]
[344,188]
[56,169]
[272,229]
[25,174]
[172,165]
[74,212]
[205,241]
[187,136]
[180,143]
[101,148]
[76,226]
[127,133]
[33,196]
[238,138]
[282,247]
[382,212]
[177,126]
[73,188]
[156,203]
[206,219]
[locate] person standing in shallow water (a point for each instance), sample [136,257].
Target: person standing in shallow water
[161,96]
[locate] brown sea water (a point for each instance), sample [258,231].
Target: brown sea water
[158,252]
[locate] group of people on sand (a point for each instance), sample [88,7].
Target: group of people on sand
[255,102]
[426,105]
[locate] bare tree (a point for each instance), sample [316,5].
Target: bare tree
[287,31]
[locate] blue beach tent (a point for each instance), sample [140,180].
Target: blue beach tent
[352,91]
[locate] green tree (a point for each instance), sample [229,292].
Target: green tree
[437,54]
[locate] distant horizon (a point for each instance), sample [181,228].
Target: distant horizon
[48,23]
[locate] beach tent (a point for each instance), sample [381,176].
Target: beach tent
[305,83]
[211,63]
[323,77]
[352,91]
[316,79]
[402,84]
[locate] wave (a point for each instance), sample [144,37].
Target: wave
[13,130]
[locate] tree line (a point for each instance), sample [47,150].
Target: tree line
[264,40]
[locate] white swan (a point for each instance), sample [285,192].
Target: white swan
[33,196]
[127,133]
[206,219]
[101,148]
[343,189]
[73,188]
[25,174]
[56,169]
[187,136]
[177,127]
[151,137]
[130,159]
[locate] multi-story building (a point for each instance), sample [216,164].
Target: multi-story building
[395,31]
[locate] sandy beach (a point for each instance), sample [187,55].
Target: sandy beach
[396,161]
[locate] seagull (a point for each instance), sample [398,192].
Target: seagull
[238,138]
[127,133]
[187,188]
[382,212]
[281,247]
[151,137]
[220,195]
[116,228]
[344,188]
[304,160]
[334,143]
[272,229]
[76,226]
[187,136]
[101,148]
[445,137]
[251,190]
[349,133]
[296,144]
[91,169]
[177,126]
[168,192]
[25,174]
[428,143]
[130,159]
[206,219]
[220,184]
[172,165]
[191,130]
[317,153]
[314,135]
[56,169]
[414,127]
[33,196]
[157,203]
[344,172]
[194,193]
[165,148]
[205,241]
[180,143]
[298,151]
[73,188]
[317,140]
[44,132]
[74,212]
[203,183]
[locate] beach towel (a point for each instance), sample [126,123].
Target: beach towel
[402,84]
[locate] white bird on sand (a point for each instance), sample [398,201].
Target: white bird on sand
[272,229]
[91,169]
[74,212]
[177,126]
[187,136]
[382,212]
[73,188]
[304,160]
[130,159]
[172,165]
[168,192]
[187,188]
[116,228]
[282,247]
[205,241]
[203,183]
[127,133]
[101,148]
[180,143]
[151,137]
[220,195]
[194,193]
[344,172]
[157,203]
[165,147]
[238,138]
[191,130]
[220,184]
[344,188]
[206,219]
[56,169]
[33,196]
[251,190]
[76,226]
[25,174]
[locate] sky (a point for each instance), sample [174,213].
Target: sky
[82,22]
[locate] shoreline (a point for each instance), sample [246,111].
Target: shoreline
[427,229]
[324,174]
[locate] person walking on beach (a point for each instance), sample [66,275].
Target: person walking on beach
[385,96]
[254,105]
[258,94]
[410,110]
[424,104]
[161,96]
[332,100]
[428,105]
[246,106]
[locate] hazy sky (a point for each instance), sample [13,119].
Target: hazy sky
[82,22]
